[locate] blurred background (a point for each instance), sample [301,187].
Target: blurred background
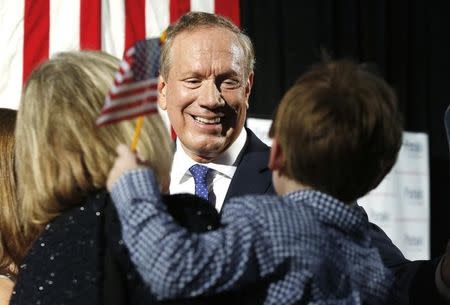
[405,41]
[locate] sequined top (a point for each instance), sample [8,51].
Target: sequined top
[63,265]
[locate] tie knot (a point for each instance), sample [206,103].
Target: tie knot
[200,173]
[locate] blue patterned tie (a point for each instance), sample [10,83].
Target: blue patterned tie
[200,174]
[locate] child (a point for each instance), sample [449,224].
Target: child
[336,134]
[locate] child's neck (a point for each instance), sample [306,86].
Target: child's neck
[290,185]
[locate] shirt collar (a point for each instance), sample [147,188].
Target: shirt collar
[225,164]
[349,217]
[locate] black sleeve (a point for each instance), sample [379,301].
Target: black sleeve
[414,280]
[194,213]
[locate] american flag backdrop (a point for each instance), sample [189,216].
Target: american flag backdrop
[32,30]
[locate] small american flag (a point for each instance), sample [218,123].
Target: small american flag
[134,92]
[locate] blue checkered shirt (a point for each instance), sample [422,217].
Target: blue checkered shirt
[315,248]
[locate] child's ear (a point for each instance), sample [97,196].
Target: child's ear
[162,93]
[276,159]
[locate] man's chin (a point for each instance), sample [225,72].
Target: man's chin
[211,150]
[207,152]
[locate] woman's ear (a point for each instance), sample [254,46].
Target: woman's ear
[276,158]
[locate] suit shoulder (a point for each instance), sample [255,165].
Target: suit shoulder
[254,144]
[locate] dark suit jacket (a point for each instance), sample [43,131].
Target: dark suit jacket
[415,282]
[414,279]
[252,175]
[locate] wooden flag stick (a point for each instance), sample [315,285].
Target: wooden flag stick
[137,132]
[140,119]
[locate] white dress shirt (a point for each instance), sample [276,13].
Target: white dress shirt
[219,179]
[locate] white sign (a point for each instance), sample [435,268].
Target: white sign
[400,205]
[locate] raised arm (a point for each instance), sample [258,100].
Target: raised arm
[172,261]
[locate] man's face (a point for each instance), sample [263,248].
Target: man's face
[205,92]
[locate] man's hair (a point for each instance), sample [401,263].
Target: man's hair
[196,20]
[339,128]
[12,245]
[61,155]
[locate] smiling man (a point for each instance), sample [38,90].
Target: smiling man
[206,79]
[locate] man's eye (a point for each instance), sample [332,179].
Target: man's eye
[192,82]
[230,84]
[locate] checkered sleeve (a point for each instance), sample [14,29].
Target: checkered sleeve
[172,261]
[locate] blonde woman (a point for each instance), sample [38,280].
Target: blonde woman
[63,161]
[12,245]
[62,164]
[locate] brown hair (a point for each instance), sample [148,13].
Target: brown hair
[195,20]
[339,129]
[63,155]
[12,244]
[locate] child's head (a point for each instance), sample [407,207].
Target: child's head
[338,130]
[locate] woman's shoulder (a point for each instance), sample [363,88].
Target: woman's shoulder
[89,208]
[64,262]
[78,227]
[74,224]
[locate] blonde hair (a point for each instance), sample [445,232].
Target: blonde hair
[61,155]
[12,244]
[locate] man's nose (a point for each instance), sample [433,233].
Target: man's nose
[210,95]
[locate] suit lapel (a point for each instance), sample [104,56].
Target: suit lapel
[252,175]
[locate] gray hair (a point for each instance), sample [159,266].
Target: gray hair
[195,20]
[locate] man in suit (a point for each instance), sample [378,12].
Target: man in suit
[206,79]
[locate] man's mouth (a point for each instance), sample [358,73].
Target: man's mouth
[211,121]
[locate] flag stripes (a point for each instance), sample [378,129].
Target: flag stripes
[129,103]
[133,88]
[90,25]
[64,25]
[32,30]
[228,8]
[133,112]
[178,8]
[135,22]
[36,34]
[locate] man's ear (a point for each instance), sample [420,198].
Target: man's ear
[248,87]
[162,93]
[276,158]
